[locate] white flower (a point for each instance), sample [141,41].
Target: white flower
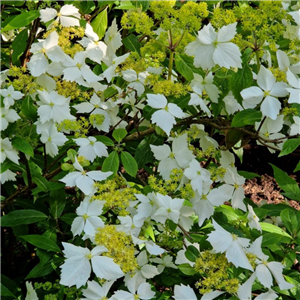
[53,107]
[10,95]
[245,290]
[8,151]
[84,180]
[137,81]
[268,89]
[264,269]
[31,293]
[168,208]
[90,148]
[179,157]
[211,48]
[143,292]
[146,207]
[77,70]
[234,246]
[165,116]
[7,176]
[231,104]
[95,291]
[164,261]
[182,292]
[269,295]
[295,127]
[130,225]
[197,132]
[253,219]
[204,203]
[212,295]
[197,100]
[112,39]
[88,217]
[199,177]
[52,140]
[293,81]
[77,267]
[199,85]
[48,48]
[8,116]
[68,15]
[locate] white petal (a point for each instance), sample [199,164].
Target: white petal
[47,14]
[175,110]
[157,101]
[164,120]
[183,292]
[70,179]
[227,55]
[77,226]
[106,268]
[265,79]
[207,35]
[161,152]
[227,33]
[237,256]
[264,276]
[204,57]
[99,175]
[212,295]
[276,269]
[245,290]
[270,107]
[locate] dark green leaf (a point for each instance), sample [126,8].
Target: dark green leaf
[21,20]
[297,167]
[132,43]
[289,146]
[248,175]
[289,219]
[240,80]
[42,242]
[232,137]
[119,134]
[105,140]
[23,146]
[111,91]
[68,218]
[143,154]
[286,183]
[86,7]
[41,182]
[129,163]
[185,66]
[192,253]
[111,163]
[99,24]
[40,270]
[21,217]
[14,3]
[57,202]
[148,111]
[187,269]
[28,108]
[246,117]
[19,46]
[270,239]
[6,292]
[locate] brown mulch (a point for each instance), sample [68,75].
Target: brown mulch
[265,190]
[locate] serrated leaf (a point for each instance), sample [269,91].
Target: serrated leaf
[99,24]
[41,242]
[289,146]
[22,217]
[105,140]
[286,183]
[187,269]
[132,43]
[111,91]
[185,66]
[129,163]
[289,219]
[192,253]
[111,163]
[246,117]
[41,182]
[28,109]
[270,239]
[240,80]
[23,146]
[119,134]
[21,20]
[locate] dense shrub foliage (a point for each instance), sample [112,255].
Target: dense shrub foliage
[122,126]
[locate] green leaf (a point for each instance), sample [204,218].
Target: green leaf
[14,3]
[105,140]
[68,218]
[185,66]
[19,46]
[297,167]
[232,137]
[143,4]
[143,153]
[57,202]
[187,269]
[21,217]
[270,239]
[40,270]
[246,117]
[274,229]
[192,253]
[240,80]
[289,219]
[286,183]
[6,292]
[8,284]
[248,175]
[129,163]
[148,111]
[108,93]
[125,5]
[119,134]
[41,182]
[149,231]
[21,20]
[289,146]
[28,109]
[111,163]
[22,145]
[99,24]
[41,242]
[132,43]
[86,7]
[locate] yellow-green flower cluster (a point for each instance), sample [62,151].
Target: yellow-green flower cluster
[137,63]
[161,9]
[119,245]
[69,89]
[217,173]
[290,112]
[215,275]
[169,239]
[116,195]
[80,127]
[152,51]
[279,74]
[97,119]
[138,20]
[23,81]
[167,87]
[222,17]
